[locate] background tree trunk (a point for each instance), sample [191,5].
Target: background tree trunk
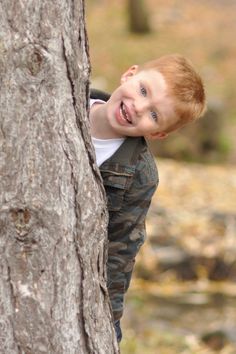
[53,297]
[138,16]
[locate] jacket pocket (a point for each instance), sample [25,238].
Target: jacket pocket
[115,185]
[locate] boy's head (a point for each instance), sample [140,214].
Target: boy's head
[184,86]
[156,98]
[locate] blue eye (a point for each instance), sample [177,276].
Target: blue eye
[154,116]
[143,91]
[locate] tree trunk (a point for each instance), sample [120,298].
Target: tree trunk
[53,296]
[138,16]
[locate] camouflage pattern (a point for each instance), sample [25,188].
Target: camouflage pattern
[130,178]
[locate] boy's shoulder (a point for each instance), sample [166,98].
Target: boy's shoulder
[133,159]
[99,95]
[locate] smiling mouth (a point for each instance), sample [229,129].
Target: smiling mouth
[124,113]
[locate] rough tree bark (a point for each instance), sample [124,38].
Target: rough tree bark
[53,297]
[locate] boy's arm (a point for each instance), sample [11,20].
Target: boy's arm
[126,233]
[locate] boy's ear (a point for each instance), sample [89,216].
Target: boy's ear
[157,135]
[129,73]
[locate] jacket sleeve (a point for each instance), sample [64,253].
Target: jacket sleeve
[126,232]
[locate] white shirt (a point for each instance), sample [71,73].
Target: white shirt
[104,148]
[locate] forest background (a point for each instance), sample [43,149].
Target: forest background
[183,294]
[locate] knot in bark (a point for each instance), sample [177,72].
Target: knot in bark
[35,62]
[21,219]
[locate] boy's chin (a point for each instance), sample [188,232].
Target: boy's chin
[156,136]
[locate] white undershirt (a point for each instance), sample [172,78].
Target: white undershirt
[104,148]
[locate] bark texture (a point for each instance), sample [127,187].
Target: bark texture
[53,297]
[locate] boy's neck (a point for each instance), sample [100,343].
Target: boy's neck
[100,129]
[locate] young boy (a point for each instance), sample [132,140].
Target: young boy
[151,101]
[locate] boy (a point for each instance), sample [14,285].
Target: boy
[151,101]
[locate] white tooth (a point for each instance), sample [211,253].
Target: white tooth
[124,112]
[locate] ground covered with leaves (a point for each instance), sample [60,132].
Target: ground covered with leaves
[183,297]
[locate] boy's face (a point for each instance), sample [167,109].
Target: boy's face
[141,106]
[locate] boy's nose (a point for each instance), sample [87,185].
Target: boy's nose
[141,106]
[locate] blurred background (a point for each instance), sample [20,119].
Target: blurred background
[183,296]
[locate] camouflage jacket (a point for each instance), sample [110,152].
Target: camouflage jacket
[130,178]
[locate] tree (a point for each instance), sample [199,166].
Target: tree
[138,16]
[53,296]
